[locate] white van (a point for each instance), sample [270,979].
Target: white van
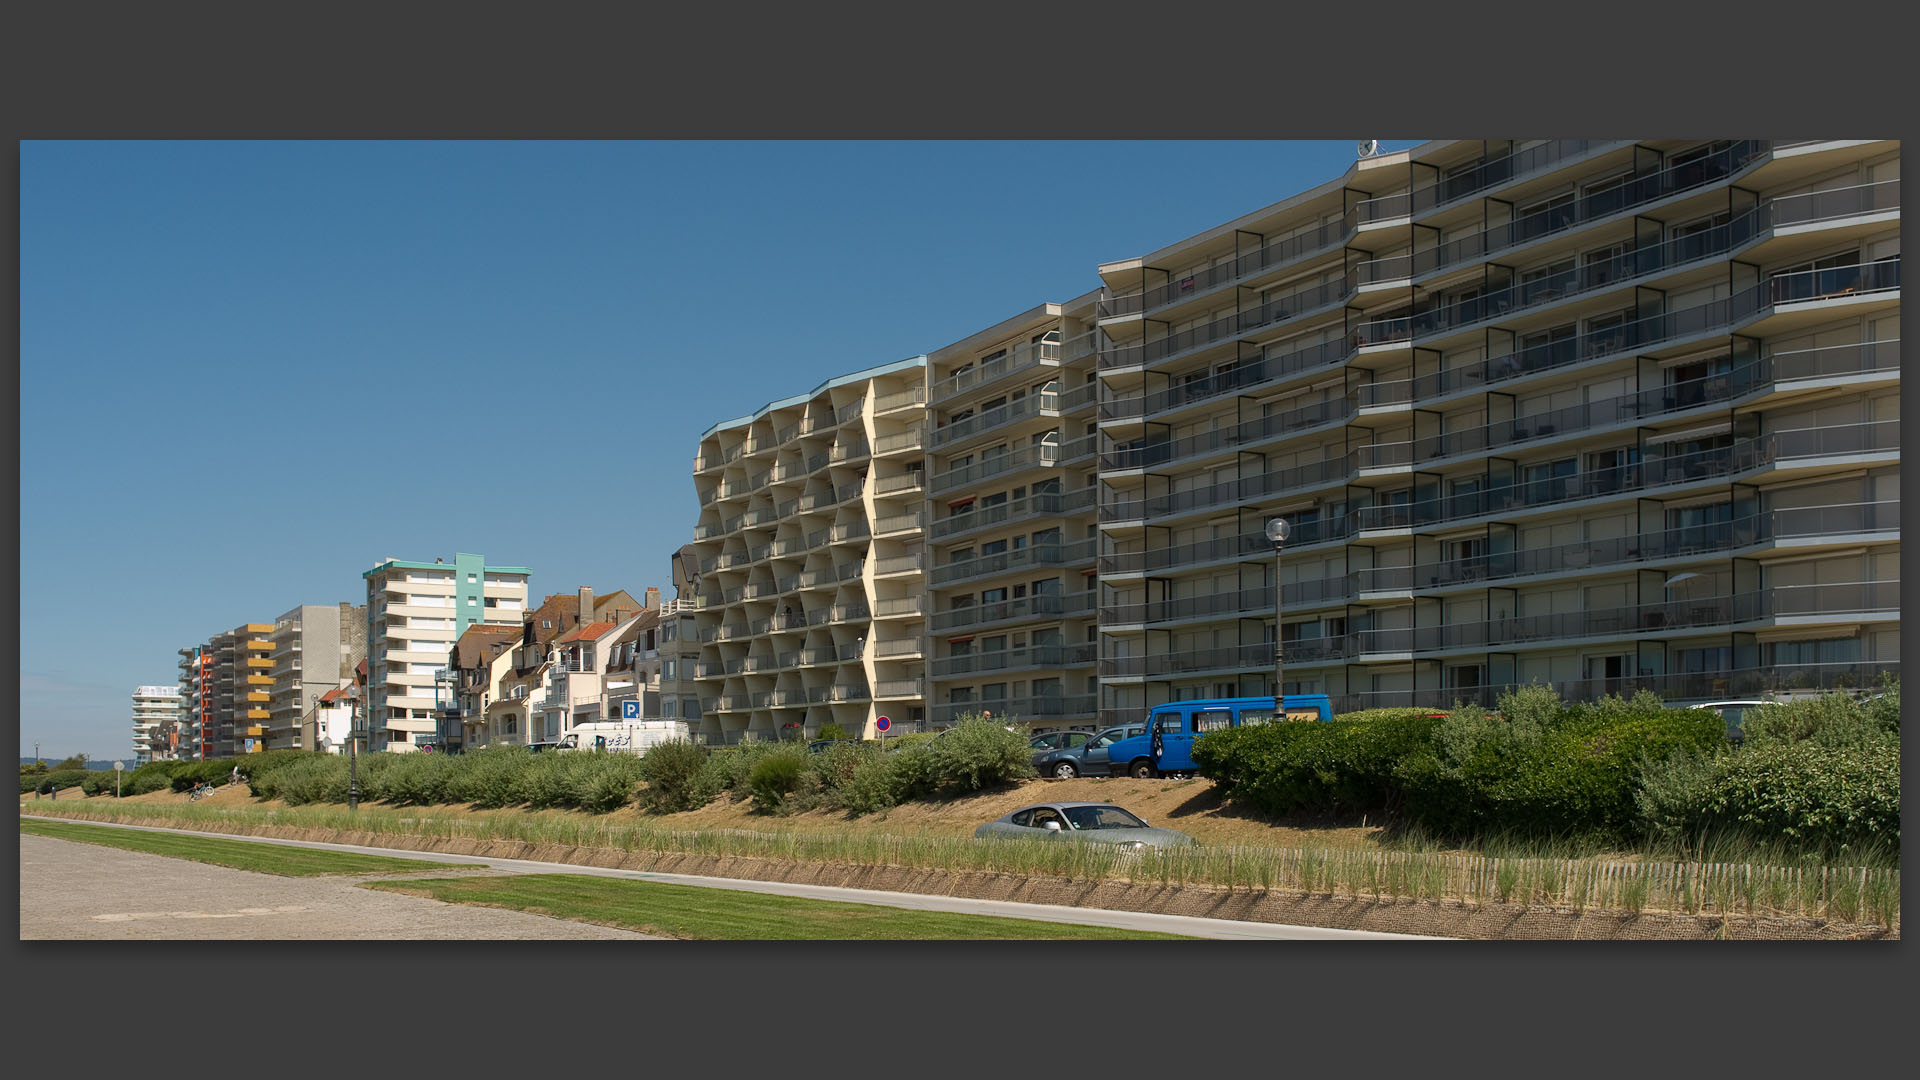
[624,736]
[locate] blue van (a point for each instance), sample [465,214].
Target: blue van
[1180,722]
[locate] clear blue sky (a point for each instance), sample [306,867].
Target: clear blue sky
[251,370]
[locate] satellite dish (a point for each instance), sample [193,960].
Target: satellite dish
[1368,147]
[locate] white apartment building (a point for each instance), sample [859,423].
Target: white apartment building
[415,612]
[157,713]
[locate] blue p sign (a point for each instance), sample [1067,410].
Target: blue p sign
[630,710]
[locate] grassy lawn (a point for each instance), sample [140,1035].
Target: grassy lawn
[238,854]
[687,911]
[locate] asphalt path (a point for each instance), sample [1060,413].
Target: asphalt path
[1225,929]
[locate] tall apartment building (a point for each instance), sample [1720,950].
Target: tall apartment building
[315,646]
[810,549]
[243,669]
[1605,414]
[415,611]
[156,720]
[196,700]
[1602,414]
[1011,533]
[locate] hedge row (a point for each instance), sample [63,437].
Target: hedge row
[858,777]
[1821,772]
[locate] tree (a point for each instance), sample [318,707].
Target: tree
[77,761]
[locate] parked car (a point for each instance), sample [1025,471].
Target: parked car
[1733,712]
[1059,740]
[1087,759]
[1101,823]
[536,747]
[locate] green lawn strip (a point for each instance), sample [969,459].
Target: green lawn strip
[238,854]
[691,911]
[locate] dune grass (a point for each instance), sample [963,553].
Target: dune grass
[689,911]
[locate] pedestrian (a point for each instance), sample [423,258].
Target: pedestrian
[236,775]
[1156,748]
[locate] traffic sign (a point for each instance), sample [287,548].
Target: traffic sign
[630,710]
[882,724]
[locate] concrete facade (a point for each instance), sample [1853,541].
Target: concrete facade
[415,612]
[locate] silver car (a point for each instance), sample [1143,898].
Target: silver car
[1102,823]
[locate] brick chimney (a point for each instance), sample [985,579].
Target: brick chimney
[586,605]
[653,597]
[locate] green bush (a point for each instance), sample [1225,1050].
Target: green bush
[1393,713]
[874,784]
[61,779]
[978,753]
[832,730]
[139,784]
[672,773]
[603,783]
[776,774]
[485,778]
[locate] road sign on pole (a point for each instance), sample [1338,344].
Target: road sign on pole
[882,724]
[116,779]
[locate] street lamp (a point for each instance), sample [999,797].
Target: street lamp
[1277,532]
[353,738]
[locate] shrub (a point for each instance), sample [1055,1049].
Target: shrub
[486,777]
[834,766]
[832,730]
[603,783]
[1343,765]
[977,753]
[775,774]
[874,784]
[63,779]
[1392,713]
[139,784]
[672,773]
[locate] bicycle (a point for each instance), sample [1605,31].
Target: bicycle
[199,793]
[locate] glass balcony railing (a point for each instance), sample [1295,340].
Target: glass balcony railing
[1020,358]
[1042,505]
[1231,492]
[1003,659]
[1047,605]
[1488,174]
[1055,554]
[1330,409]
[1268,314]
[1570,215]
[1746,378]
[1250,373]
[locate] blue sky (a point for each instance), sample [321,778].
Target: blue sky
[251,370]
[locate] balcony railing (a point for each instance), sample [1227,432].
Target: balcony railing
[913,395]
[1014,709]
[909,481]
[897,649]
[1716,316]
[1052,554]
[1747,378]
[897,606]
[1797,522]
[1045,605]
[973,472]
[1042,504]
[897,523]
[1682,686]
[902,440]
[1749,454]
[899,688]
[1487,174]
[1269,314]
[1258,601]
[1330,409]
[1232,492]
[1019,358]
[1252,373]
[1003,659]
[898,564]
[1626,196]
[1031,405]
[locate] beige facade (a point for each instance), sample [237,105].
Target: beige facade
[1011,521]
[157,711]
[314,647]
[416,611]
[810,549]
[1603,414]
[1606,414]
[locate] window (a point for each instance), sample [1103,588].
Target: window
[1168,725]
[1024,818]
[1255,717]
[1212,720]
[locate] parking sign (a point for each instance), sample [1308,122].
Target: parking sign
[630,710]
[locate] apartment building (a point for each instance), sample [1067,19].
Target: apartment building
[1010,521]
[196,700]
[315,646]
[415,611]
[156,723]
[525,710]
[679,642]
[482,659]
[810,546]
[1605,414]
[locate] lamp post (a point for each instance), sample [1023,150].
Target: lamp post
[353,738]
[1277,532]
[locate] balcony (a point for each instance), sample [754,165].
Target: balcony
[1043,606]
[1016,709]
[1849,599]
[1640,335]
[1243,602]
[1679,687]
[1483,177]
[1035,454]
[1228,328]
[890,485]
[899,649]
[1023,357]
[903,399]
[1007,659]
[996,417]
[894,689]
[1749,455]
[1229,493]
[896,607]
[911,439]
[1251,373]
[897,523]
[898,564]
[1152,453]
[850,411]
[848,451]
[1043,504]
[1631,195]
[1057,554]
